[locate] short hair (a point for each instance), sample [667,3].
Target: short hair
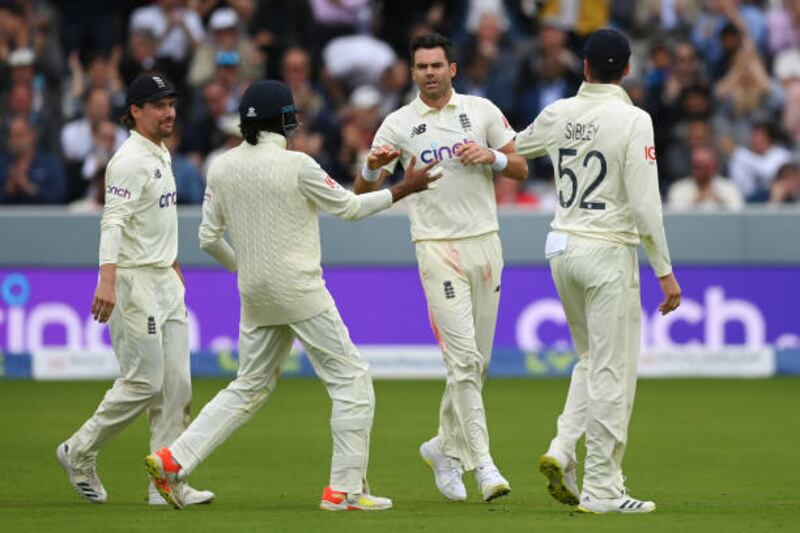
[429,41]
[787,168]
[607,72]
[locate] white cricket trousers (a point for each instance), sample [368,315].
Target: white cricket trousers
[598,283]
[150,335]
[461,279]
[262,352]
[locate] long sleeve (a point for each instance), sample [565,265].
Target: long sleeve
[532,141]
[124,184]
[212,231]
[328,195]
[640,178]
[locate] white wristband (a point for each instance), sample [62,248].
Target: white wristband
[370,175]
[500,161]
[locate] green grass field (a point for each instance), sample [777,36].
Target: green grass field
[714,455]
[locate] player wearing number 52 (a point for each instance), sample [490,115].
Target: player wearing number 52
[608,202]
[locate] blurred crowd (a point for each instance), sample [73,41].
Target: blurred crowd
[720,78]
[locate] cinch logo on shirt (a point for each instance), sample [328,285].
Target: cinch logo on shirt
[440,153]
[168,199]
[112,190]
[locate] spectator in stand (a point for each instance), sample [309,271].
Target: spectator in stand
[93,169]
[676,156]
[89,25]
[29,175]
[753,170]
[704,189]
[14,32]
[359,123]
[226,73]
[352,61]
[205,133]
[674,17]
[177,29]
[336,18]
[102,70]
[786,187]
[140,56]
[720,29]
[490,67]
[224,35]
[787,71]
[77,138]
[746,95]
[783,22]
[278,24]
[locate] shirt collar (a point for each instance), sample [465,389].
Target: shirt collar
[597,90]
[423,109]
[267,137]
[160,151]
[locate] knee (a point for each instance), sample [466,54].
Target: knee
[467,368]
[145,389]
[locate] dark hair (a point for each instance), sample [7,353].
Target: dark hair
[607,72]
[251,129]
[127,119]
[429,41]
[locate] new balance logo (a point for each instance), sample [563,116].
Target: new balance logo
[418,130]
[157,175]
[449,291]
[251,112]
[151,325]
[466,125]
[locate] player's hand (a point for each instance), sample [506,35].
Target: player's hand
[418,179]
[672,294]
[381,155]
[473,154]
[105,298]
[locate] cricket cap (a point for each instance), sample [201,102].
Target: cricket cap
[149,88]
[607,46]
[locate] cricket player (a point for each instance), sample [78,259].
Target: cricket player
[140,293]
[268,198]
[454,228]
[608,202]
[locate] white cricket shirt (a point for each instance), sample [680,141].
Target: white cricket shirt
[604,157]
[141,198]
[267,198]
[462,202]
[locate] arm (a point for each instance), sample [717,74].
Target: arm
[640,179]
[531,142]
[332,198]
[212,229]
[105,295]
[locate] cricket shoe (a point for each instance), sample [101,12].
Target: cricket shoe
[562,479]
[166,475]
[447,471]
[624,504]
[84,479]
[189,495]
[490,482]
[333,500]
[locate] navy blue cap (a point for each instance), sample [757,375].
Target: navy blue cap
[266,99]
[607,46]
[149,88]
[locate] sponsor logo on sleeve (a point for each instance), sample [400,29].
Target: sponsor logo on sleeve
[113,190]
[330,182]
[650,154]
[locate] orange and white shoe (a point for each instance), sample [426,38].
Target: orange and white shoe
[165,474]
[333,500]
